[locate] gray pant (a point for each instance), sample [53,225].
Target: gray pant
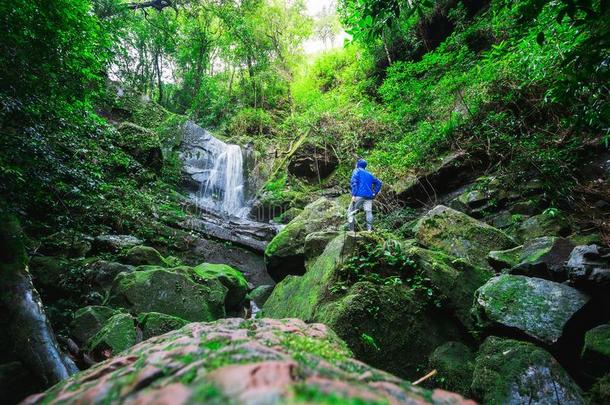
[361,202]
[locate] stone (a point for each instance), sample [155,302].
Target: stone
[596,350]
[142,255]
[454,363]
[539,308]
[455,279]
[284,255]
[229,277]
[588,268]
[544,257]
[169,291]
[155,324]
[504,259]
[241,361]
[288,215]
[513,372]
[312,163]
[114,243]
[454,170]
[88,321]
[102,272]
[260,294]
[117,334]
[316,242]
[545,224]
[369,317]
[459,235]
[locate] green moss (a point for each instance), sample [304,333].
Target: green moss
[89,320]
[598,340]
[600,391]
[309,394]
[231,278]
[155,323]
[454,362]
[144,255]
[327,350]
[117,335]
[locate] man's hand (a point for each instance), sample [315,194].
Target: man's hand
[353,198]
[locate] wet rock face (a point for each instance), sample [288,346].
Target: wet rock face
[589,268]
[244,362]
[114,243]
[513,372]
[312,163]
[459,235]
[536,307]
[284,255]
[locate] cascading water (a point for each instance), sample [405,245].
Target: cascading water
[225,184]
[216,171]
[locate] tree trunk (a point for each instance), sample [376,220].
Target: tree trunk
[28,327]
[158,69]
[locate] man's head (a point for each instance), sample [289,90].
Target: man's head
[361,163]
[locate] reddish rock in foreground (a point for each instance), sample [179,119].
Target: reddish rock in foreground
[239,361]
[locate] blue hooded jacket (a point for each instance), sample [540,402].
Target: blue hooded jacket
[363,183]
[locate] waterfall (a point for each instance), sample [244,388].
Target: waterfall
[225,184]
[216,171]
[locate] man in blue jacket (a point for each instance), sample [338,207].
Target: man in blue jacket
[365,187]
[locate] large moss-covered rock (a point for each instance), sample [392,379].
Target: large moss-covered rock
[459,235]
[88,321]
[454,363]
[370,317]
[102,273]
[171,292]
[233,279]
[455,279]
[117,334]
[155,324]
[504,259]
[596,351]
[512,372]
[284,255]
[260,361]
[144,255]
[538,308]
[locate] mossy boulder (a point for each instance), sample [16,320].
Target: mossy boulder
[169,291]
[288,215]
[233,279]
[504,259]
[596,350]
[284,255]
[370,317]
[144,255]
[454,363]
[155,324]
[459,235]
[260,294]
[539,308]
[261,361]
[455,279]
[88,321]
[316,242]
[545,224]
[117,334]
[544,257]
[102,273]
[513,372]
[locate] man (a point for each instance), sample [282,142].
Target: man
[365,187]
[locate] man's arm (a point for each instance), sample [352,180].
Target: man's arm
[376,185]
[354,182]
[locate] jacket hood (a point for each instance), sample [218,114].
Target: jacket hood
[361,163]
